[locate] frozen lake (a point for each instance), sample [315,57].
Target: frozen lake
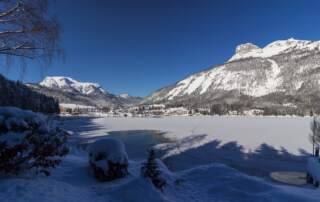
[289,133]
[137,142]
[255,145]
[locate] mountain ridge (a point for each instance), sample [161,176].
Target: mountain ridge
[70,91]
[283,66]
[70,84]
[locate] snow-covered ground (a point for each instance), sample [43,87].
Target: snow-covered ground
[236,141]
[72,182]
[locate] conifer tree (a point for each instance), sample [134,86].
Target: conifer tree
[150,169]
[315,133]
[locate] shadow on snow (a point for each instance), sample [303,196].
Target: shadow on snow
[260,162]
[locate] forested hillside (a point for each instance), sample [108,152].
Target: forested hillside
[18,95]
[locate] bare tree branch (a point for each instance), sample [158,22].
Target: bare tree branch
[18,55]
[7,20]
[10,11]
[27,31]
[12,32]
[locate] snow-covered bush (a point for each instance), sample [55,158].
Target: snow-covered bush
[152,169]
[29,141]
[108,159]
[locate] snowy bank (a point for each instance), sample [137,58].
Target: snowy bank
[215,182]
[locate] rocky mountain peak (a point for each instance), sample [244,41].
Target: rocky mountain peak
[245,48]
[249,50]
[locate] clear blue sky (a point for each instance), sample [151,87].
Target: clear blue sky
[138,46]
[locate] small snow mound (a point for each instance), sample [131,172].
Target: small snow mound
[113,149]
[138,190]
[109,159]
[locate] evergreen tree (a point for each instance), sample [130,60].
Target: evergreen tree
[315,133]
[150,169]
[311,112]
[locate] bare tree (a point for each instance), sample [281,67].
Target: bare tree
[315,133]
[27,31]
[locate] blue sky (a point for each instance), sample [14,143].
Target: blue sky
[138,46]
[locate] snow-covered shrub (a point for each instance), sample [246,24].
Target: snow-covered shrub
[152,169]
[108,159]
[29,141]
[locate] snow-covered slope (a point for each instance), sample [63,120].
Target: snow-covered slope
[221,78]
[71,85]
[289,67]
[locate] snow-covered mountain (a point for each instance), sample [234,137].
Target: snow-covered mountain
[70,91]
[130,99]
[71,85]
[289,68]
[250,50]
[124,95]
